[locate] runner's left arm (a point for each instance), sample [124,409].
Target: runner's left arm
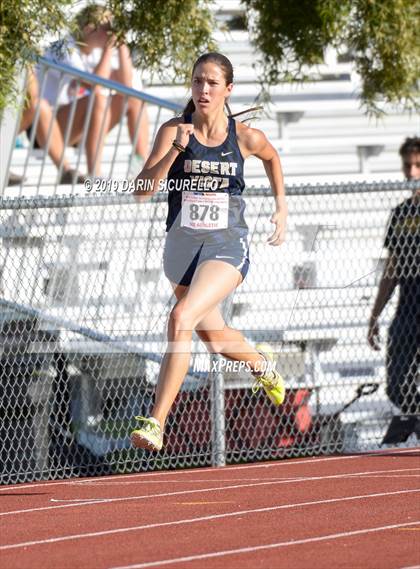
[258,145]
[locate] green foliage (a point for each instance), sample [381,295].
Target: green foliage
[292,34]
[382,36]
[165,35]
[23,26]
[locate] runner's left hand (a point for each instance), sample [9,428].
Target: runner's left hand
[279,235]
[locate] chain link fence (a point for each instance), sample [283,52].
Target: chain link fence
[84,306]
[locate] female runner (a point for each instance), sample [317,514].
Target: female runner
[201,155]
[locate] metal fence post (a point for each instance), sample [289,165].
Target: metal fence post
[218,430]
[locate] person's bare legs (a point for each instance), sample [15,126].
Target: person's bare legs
[55,143]
[226,341]
[222,339]
[103,118]
[99,123]
[201,299]
[134,108]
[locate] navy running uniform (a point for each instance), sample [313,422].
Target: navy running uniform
[205,218]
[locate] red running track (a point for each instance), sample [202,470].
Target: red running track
[359,511]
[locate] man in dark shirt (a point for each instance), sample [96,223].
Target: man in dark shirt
[402,268]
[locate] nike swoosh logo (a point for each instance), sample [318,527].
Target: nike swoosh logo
[222,257]
[226,153]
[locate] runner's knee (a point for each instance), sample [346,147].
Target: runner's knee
[181,318]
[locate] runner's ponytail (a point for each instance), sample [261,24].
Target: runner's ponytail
[190,108]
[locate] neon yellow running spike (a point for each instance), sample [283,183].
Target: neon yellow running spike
[149,434]
[271,381]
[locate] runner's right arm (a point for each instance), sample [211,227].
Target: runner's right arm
[161,158]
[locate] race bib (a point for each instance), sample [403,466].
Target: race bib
[205,210]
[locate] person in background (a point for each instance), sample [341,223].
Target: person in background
[56,146]
[402,268]
[81,52]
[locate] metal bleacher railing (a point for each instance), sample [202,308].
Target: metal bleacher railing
[39,174]
[84,305]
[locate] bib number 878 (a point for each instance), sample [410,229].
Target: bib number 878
[212,210]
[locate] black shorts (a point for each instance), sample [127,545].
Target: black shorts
[29,133]
[181,257]
[36,145]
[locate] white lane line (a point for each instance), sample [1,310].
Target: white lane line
[281,464]
[206,480]
[393,476]
[99,479]
[202,519]
[266,480]
[200,490]
[196,481]
[93,500]
[262,547]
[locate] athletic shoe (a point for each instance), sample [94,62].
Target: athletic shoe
[72,176]
[15,179]
[149,435]
[271,381]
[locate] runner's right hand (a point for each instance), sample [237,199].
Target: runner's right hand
[183,133]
